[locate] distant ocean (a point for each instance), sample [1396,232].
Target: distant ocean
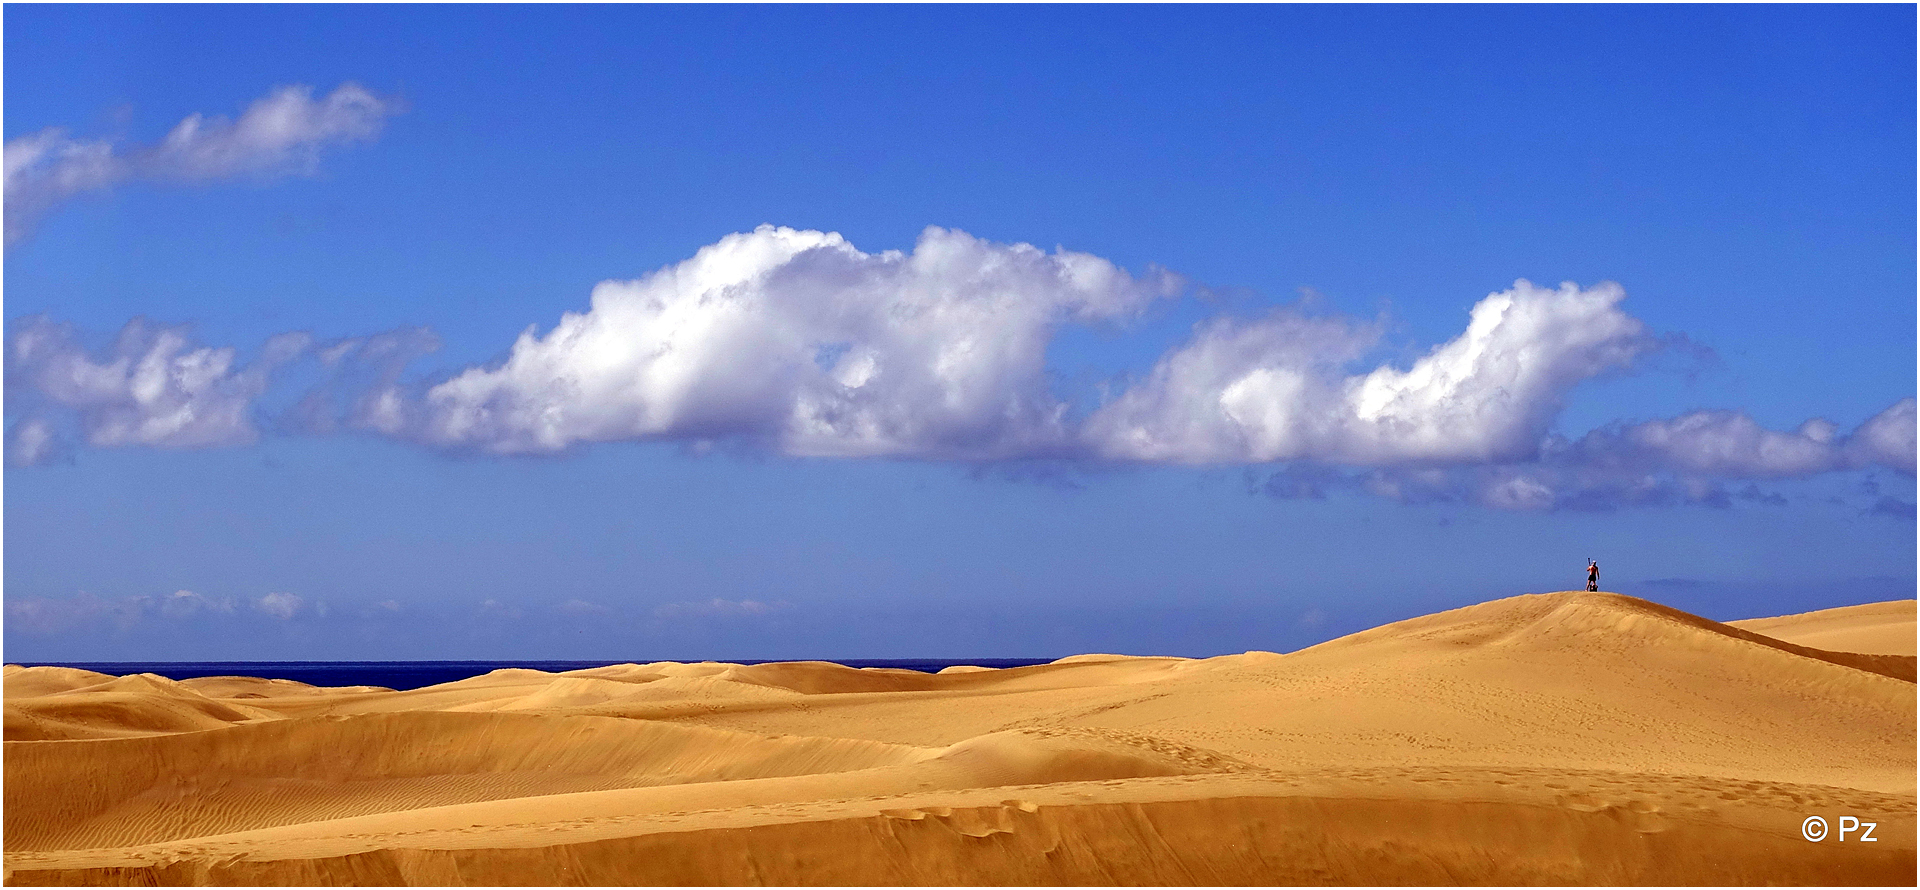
[415,674]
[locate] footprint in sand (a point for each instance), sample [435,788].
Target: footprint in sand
[1584,803]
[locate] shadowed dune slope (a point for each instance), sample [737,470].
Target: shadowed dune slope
[1565,738]
[303,769]
[1269,841]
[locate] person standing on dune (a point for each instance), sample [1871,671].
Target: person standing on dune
[1593,575]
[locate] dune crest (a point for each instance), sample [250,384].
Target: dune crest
[1553,738]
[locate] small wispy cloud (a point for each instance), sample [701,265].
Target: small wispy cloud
[495,610]
[83,612]
[30,441]
[282,133]
[182,603]
[1696,458]
[715,607]
[363,373]
[51,615]
[279,605]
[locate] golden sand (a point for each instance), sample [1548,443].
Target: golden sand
[1565,738]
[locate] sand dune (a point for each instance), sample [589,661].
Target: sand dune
[1874,628]
[1559,738]
[72,704]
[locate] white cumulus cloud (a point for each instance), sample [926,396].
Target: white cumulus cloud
[280,133]
[1886,440]
[152,387]
[1273,389]
[1732,445]
[798,343]
[802,341]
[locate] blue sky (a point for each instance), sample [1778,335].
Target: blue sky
[1230,398]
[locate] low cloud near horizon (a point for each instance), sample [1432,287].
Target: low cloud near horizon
[799,344]
[279,624]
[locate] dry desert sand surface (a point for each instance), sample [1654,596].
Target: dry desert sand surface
[1563,738]
[1883,628]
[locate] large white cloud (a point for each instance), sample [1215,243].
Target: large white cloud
[801,341]
[1274,389]
[281,133]
[798,343]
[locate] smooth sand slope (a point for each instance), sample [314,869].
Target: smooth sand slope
[1879,628]
[1566,738]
